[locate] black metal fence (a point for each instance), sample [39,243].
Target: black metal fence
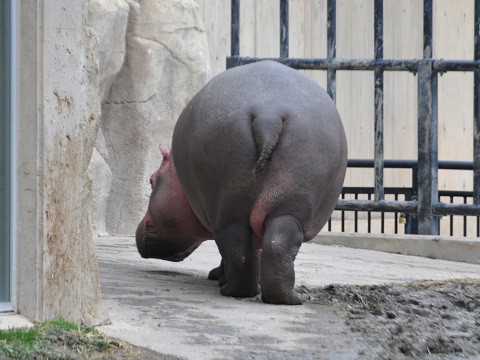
[456,225]
[422,205]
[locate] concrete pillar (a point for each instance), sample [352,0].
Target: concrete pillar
[59,109]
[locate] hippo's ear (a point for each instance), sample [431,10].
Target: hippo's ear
[165,152]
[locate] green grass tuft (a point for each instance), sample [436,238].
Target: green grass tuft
[57,339]
[22,335]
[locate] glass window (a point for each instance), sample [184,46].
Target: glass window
[5,122]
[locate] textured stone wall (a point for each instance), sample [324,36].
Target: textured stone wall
[108,19]
[153,59]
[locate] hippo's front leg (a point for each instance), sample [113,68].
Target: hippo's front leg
[235,244]
[281,242]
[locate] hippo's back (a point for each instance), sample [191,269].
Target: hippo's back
[258,140]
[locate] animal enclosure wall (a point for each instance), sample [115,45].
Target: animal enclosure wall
[453,29]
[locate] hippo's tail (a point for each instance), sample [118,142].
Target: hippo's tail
[266,131]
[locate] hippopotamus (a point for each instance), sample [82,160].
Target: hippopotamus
[257,163]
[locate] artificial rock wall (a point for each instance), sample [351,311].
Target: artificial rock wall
[152,60]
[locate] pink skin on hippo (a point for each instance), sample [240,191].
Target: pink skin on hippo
[170,230]
[257,163]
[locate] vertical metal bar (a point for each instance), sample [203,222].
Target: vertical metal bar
[343,216]
[427,29]
[356,217]
[464,219]
[427,148]
[283,28]
[476,110]
[378,74]
[235,31]
[369,217]
[414,197]
[478,226]
[378,29]
[427,130]
[409,217]
[451,218]
[396,217]
[332,47]
[382,225]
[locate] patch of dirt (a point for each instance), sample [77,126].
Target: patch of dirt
[132,352]
[435,320]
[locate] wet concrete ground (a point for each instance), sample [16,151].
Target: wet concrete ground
[173,309]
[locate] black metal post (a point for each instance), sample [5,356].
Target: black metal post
[427,131]
[283,28]
[332,47]
[378,74]
[235,31]
[427,29]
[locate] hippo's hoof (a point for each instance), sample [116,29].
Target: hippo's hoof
[216,273]
[225,290]
[291,298]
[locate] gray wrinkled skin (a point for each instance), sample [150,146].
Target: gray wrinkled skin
[260,153]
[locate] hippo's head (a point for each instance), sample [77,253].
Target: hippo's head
[170,229]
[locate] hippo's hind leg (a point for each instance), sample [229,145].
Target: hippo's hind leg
[235,244]
[281,241]
[218,274]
